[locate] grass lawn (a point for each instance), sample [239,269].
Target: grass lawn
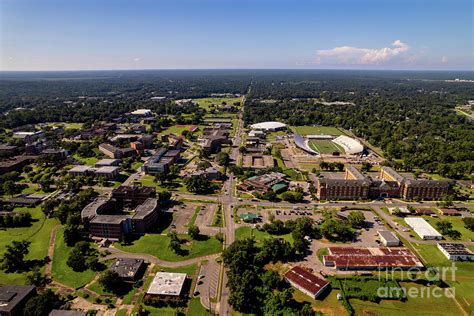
[458,225]
[61,272]
[147,180]
[246,231]
[38,233]
[89,161]
[32,189]
[67,125]
[317,130]
[157,245]
[175,129]
[463,281]
[136,165]
[121,312]
[412,306]
[294,174]
[329,305]
[196,309]
[206,103]
[195,215]
[218,218]
[324,146]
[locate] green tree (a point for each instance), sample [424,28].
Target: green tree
[366,167]
[223,159]
[42,304]
[356,219]
[9,188]
[444,226]
[14,256]
[111,281]
[193,232]
[35,277]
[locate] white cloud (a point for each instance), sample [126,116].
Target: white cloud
[136,59]
[366,56]
[444,59]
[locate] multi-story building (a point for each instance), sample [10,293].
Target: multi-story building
[355,185]
[115,152]
[417,188]
[133,195]
[110,151]
[161,161]
[104,218]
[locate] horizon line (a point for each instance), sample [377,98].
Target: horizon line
[216,69]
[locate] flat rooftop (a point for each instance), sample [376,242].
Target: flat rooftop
[456,249]
[127,267]
[388,236]
[383,257]
[12,295]
[421,227]
[166,283]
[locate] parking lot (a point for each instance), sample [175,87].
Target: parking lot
[183,216]
[287,214]
[367,237]
[208,281]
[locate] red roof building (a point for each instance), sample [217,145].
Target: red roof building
[350,258]
[306,282]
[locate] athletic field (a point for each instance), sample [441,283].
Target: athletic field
[324,146]
[317,130]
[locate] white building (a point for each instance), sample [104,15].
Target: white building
[422,228]
[456,251]
[167,284]
[269,126]
[388,238]
[141,112]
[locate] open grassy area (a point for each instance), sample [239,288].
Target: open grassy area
[38,233]
[61,272]
[175,129]
[329,304]
[463,280]
[317,130]
[246,232]
[158,246]
[207,103]
[196,309]
[325,146]
[458,225]
[147,180]
[89,161]
[412,306]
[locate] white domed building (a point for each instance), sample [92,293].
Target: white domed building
[268,126]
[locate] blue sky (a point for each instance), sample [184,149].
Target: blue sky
[146,34]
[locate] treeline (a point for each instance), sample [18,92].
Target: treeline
[30,89]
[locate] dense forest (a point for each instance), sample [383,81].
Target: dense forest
[409,115]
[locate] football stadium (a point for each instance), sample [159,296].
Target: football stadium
[328,144]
